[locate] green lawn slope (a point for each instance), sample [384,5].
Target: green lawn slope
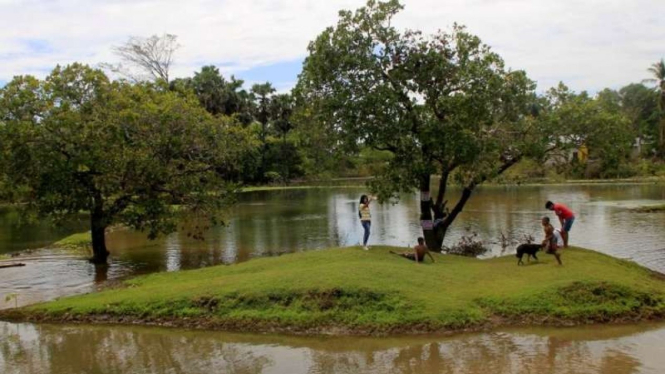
[351,291]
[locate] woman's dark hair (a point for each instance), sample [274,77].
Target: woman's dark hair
[549,204]
[363,198]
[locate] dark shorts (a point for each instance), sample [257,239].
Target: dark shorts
[567,224]
[553,249]
[411,256]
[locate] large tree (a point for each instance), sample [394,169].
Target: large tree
[442,104]
[599,124]
[658,71]
[216,94]
[281,112]
[640,105]
[134,154]
[261,95]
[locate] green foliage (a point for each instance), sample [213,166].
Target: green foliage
[10,297]
[261,96]
[658,78]
[598,123]
[216,94]
[640,105]
[439,103]
[80,240]
[283,158]
[369,162]
[595,301]
[322,154]
[124,152]
[375,291]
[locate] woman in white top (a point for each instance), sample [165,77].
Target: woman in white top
[365,218]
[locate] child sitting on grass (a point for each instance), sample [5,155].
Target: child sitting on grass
[419,252]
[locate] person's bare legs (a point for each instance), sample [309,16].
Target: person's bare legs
[557,255]
[564,233]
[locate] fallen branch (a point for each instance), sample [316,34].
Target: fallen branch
[11,265]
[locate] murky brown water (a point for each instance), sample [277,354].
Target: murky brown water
[28,348]
[270,223]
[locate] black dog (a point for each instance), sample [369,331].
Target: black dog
[529,249]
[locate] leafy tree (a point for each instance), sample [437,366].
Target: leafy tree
[216,94]
[597,123]
[322,152]
[261,97]
[281,112]
[284,161]
[658,71]
[441,104]
[152,57]
[640,105]
[131,154]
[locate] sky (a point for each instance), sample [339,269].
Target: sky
[587,44]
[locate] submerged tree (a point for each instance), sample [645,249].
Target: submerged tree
[443,104]
[133,154]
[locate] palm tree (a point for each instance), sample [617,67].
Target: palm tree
[658,71]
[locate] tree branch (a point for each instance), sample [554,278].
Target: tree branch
[468,189]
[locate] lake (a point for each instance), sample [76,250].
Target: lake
[36,349]
[271,223]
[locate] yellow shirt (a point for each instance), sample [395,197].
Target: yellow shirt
[364,212]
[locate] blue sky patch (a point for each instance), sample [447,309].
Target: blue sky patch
[38,46]
[278,74]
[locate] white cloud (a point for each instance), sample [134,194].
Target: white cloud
[588,44]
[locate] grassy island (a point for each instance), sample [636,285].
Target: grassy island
[351,291]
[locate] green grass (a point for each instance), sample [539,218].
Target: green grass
[76,242]
[375,292]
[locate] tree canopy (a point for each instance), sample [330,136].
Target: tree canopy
[134,154]
[443,104]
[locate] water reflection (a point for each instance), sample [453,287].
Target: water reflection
[274,222]
[15,236]
[76,349]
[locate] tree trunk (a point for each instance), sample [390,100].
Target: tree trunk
[101,272]
[98,230]
[426,221]
[434,219]
[264,150]
[285,175]
[434,230]
[661,140]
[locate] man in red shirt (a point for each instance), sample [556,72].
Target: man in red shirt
[566,218]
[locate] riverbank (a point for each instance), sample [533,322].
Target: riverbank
[650,209]
[350,291]
[532,182]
